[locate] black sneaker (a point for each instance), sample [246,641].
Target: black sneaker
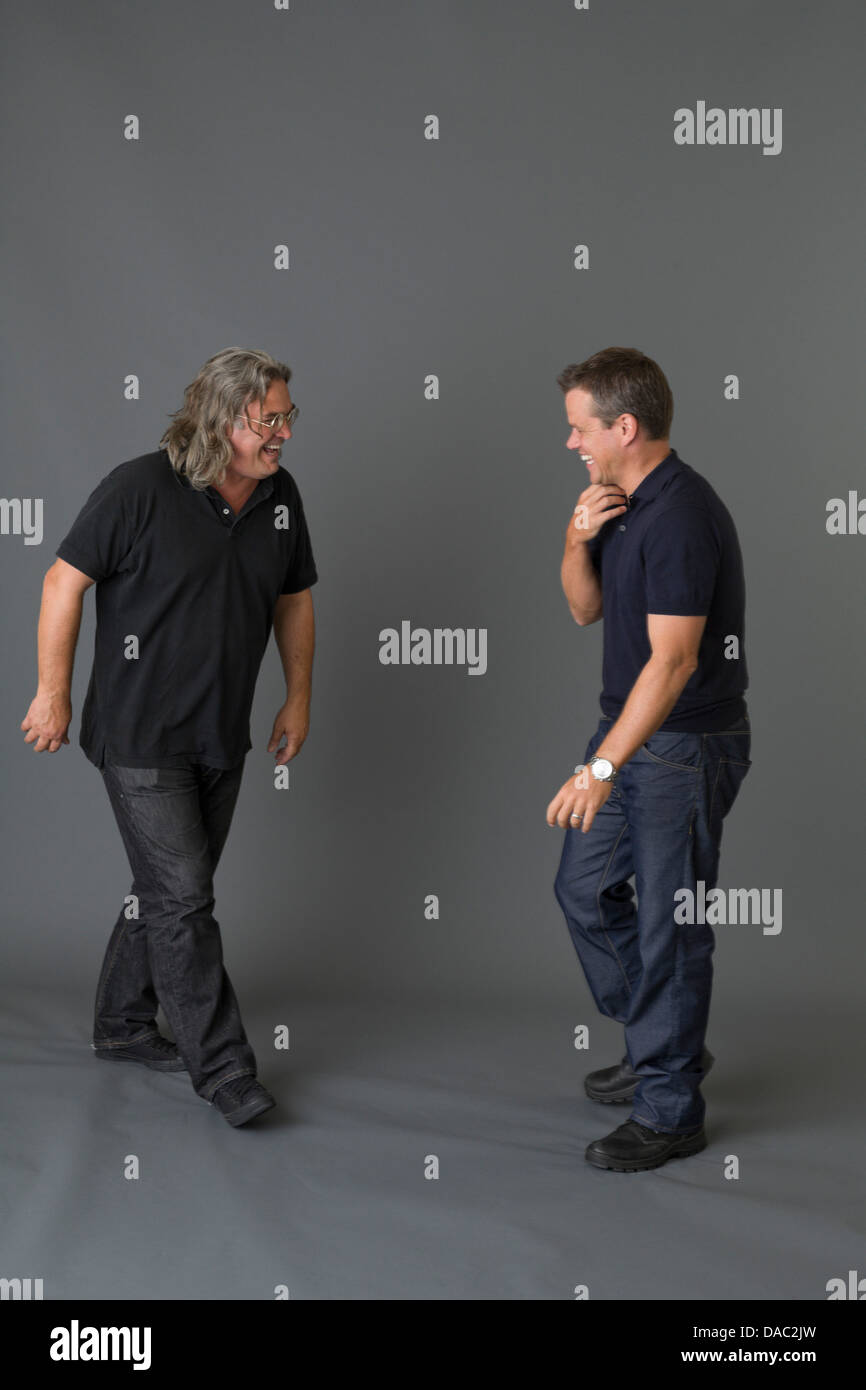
[157,1053]
[616,1085]
[242,1099]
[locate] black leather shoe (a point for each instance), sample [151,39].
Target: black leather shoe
[242,1099]
[633,1148]
[616,1085]
[157,1053]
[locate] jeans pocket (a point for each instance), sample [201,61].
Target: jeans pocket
[143,780]
[734,745]
[683,751]
[135,778]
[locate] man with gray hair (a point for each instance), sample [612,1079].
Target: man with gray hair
[197,551]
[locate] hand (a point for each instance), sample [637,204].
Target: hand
[293,720]
[574,797]
[47,721]
[595,505]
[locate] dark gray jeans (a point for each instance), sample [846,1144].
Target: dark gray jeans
[174,823]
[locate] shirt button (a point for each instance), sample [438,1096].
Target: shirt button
[225,511]
[622,528]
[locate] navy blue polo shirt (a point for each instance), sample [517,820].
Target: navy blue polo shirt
[674,551]
[185,597]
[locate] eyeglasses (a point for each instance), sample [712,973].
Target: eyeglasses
[274,422]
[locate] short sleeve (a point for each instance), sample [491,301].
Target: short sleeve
[101,535]
[681,555]
[301,572]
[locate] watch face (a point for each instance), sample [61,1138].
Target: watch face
[602,768]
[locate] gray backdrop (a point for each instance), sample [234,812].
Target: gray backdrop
[455,257]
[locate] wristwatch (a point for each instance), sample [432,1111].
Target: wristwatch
[602,769]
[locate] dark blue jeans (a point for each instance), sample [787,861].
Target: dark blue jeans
[174,823]
[662,825]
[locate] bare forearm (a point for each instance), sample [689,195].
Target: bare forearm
[650,701]
[57,636]
[580,583]
[295,635]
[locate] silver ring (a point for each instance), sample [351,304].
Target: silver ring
[573,816]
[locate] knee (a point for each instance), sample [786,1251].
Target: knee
[179,900]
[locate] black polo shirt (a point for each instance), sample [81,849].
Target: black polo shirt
[185,596]
[674,551]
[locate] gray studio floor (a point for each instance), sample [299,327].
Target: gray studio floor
[327,1194]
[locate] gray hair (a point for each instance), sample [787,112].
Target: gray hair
[196,441]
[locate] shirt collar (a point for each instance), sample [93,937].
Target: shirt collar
[657,478]
[265,484]
[264,487]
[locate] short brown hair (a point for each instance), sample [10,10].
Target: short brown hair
[624,381]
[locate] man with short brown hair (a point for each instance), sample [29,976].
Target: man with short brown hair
[652,549]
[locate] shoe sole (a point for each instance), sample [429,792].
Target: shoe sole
[617,1098]
[247,1112]
[139,1062]
[683,1150]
